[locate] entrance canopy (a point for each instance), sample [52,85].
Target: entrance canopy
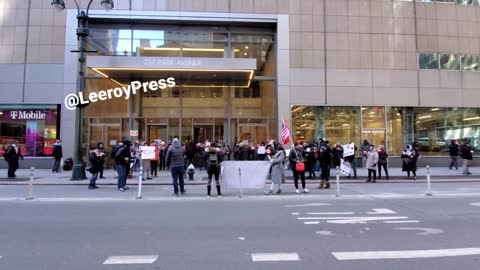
[188,72]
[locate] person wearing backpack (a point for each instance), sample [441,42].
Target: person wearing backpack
[12,155]
[213,159]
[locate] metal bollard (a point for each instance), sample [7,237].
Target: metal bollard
[338,182]
[241,184]
[139,195]
[30,184]
[429,189]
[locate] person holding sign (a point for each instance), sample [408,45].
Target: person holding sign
[325,158]
[350,158]
[145,163]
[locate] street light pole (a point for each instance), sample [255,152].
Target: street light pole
[78,172]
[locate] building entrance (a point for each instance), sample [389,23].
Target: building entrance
[108,133]
[157,132]
[253,133]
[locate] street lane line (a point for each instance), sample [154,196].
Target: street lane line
[331,213]
[423,231]
[351,218]
[475,204]
[275,257]
[326,233]
[131,259]
[377,211]
[307,204]
[405,254]
[401,221]
[363,220]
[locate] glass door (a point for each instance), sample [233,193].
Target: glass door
[109,134]
[375,137]
[252,133]
[157,132]
[201,133]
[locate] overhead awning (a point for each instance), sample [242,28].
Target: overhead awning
[188,72]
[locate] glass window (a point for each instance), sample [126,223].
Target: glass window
[467,2]
[33,127]
[428,60]
[446,1]
[470,62]
[373,117]
[450,61]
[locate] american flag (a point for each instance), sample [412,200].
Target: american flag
[285,133]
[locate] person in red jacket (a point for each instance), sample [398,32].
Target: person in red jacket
[154,161]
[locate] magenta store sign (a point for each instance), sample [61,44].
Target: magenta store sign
[28,115]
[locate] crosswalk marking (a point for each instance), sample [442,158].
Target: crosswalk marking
[401,221]
[307,205]
[131,259]
[378,211]
[331,213]
[275,257]
[351,218]
[405,254]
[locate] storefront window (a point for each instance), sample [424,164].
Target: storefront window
[34,127]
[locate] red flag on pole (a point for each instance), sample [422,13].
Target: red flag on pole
[285,132]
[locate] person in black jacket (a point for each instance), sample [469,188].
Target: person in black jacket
[337,154]
[382,161]
[213,158]
[453,151]
[467,156]
[12,155]
[122,159]
[57,155]
[103,152]
[325,158]
[297,155]
[94,167]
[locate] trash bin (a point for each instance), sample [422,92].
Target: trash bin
[68,164]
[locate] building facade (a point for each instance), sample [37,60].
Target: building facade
[388,71]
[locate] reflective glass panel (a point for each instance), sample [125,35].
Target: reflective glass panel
[428,61]
[470,62]
[450,61]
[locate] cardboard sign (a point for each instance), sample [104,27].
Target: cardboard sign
[261,150]
[148,152]
[134,133]
[348,149]
[345,167]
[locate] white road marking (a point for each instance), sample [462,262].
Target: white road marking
[331,213]
[307,204]
[131,259]
[475,204]
[326,233]
[405,254]
[275,257]
[377,211]
[351,218]
[424,231]
[401,221]
[295,214]
[363,220]
[241,238]
[311,222]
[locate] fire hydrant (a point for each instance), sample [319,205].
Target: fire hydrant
[190,172]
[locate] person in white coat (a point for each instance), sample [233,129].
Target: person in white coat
[371,164]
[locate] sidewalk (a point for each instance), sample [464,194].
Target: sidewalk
[45,177]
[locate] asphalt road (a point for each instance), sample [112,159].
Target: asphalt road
[296,231]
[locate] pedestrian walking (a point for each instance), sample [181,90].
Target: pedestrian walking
[94,166]
[467,156]
[57,155]
[372,161]
[382,162]
[454,151]
[213,156]
[278,172]
[175,161]
[12,154]
[409,163]
[325,159]
[297,156]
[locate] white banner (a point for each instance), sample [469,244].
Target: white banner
[345,167]
[253,173]
[348,149]
[148,152]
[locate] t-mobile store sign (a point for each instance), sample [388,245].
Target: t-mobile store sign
[28,115]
